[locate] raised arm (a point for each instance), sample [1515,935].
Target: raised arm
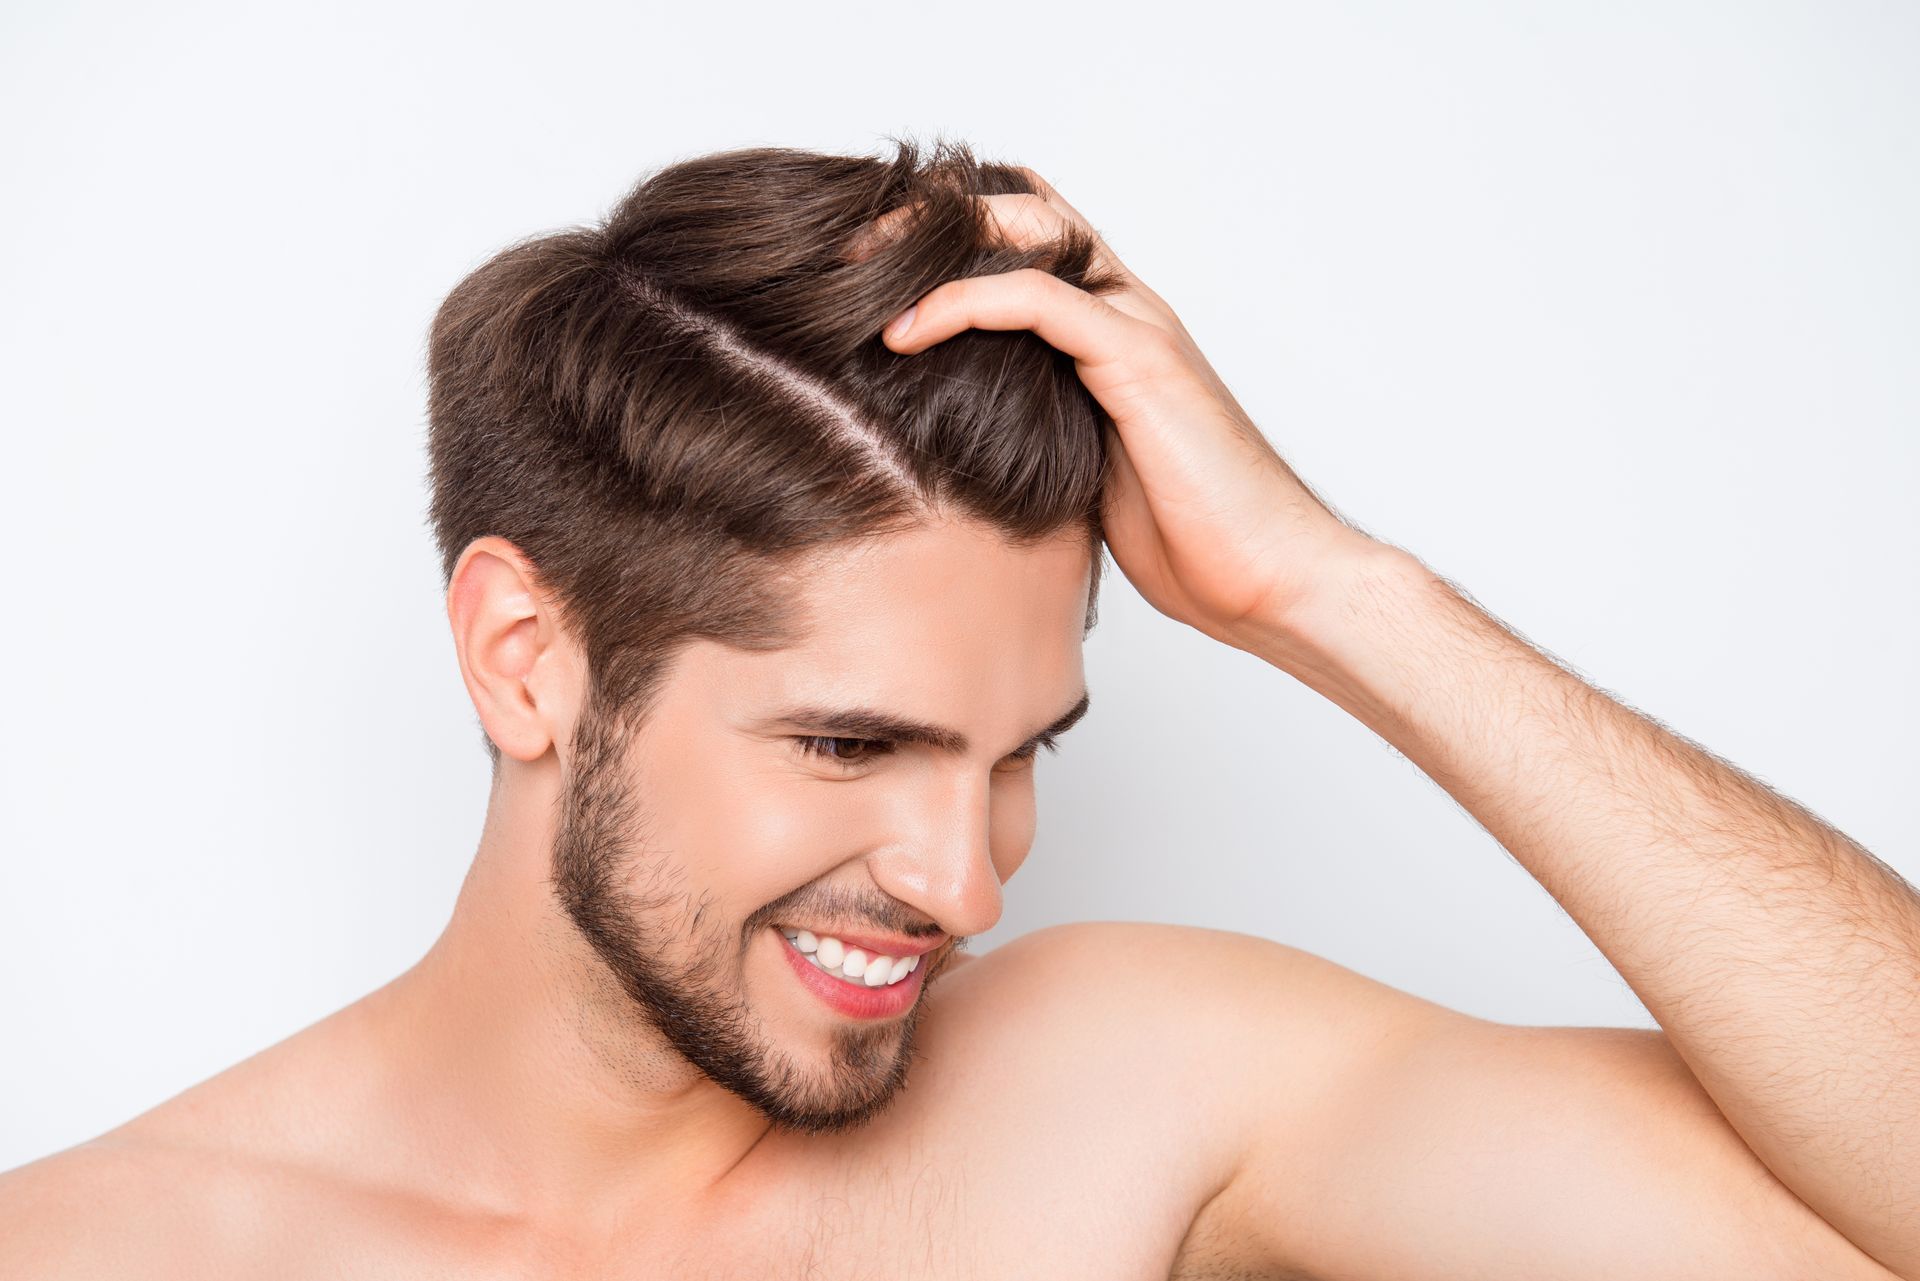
[1781,959]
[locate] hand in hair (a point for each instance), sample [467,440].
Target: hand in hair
[1201,513]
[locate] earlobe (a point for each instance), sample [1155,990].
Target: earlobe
[503,636]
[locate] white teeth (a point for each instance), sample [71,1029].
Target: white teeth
[851,964]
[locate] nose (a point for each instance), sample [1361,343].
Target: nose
[941,861]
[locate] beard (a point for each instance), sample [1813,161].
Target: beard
[637,922]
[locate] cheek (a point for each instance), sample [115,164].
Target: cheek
[741,831]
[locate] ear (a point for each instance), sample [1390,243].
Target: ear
[520,668]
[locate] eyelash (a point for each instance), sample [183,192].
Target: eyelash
[812,745]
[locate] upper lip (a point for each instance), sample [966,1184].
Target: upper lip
[873,944]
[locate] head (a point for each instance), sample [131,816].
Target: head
[769,621]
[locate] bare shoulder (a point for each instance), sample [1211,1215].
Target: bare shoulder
[199,1185]
[190,1190]
[1236,994]
[1181,1031]
[1299,1029]
[115,1206]
[1330,1103]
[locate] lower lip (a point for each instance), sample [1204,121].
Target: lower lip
[855,1001]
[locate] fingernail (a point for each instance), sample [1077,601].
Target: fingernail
[897,328]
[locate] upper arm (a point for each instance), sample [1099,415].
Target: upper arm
[1389,1137]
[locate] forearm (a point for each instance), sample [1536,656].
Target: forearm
[1781,959]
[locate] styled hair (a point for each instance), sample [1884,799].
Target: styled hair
[665,411]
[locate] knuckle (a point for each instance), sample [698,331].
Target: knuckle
[1036,283]
[1158,346]
[1100,307]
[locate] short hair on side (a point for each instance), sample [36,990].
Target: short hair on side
[666,410]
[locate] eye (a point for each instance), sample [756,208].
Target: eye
[1025,756]
[856,751]
[843,751]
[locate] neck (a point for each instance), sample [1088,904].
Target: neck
[521,1062]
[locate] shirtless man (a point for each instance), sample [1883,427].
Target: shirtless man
[624,1058]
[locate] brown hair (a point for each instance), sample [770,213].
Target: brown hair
[663,410]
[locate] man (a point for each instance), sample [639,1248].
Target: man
[764,699]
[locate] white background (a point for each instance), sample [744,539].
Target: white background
[1608,312]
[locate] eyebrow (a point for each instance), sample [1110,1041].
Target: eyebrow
[869,722]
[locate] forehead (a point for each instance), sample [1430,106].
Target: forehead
[942,620]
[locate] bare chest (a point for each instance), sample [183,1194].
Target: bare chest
[1024,1145]
[1055,1215]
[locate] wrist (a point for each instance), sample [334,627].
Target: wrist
[1310,630]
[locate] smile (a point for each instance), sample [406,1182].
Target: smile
[850,963]
[855,985]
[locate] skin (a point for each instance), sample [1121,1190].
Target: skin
[1089,1100]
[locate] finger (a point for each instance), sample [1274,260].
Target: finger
[1142,375]
[1054,200]
[1096,334]
[1051,194]
[875,232]
[1021,218]
[1027,220]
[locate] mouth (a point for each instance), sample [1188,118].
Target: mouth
[849,980]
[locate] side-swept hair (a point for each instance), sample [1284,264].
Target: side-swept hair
[665,410]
